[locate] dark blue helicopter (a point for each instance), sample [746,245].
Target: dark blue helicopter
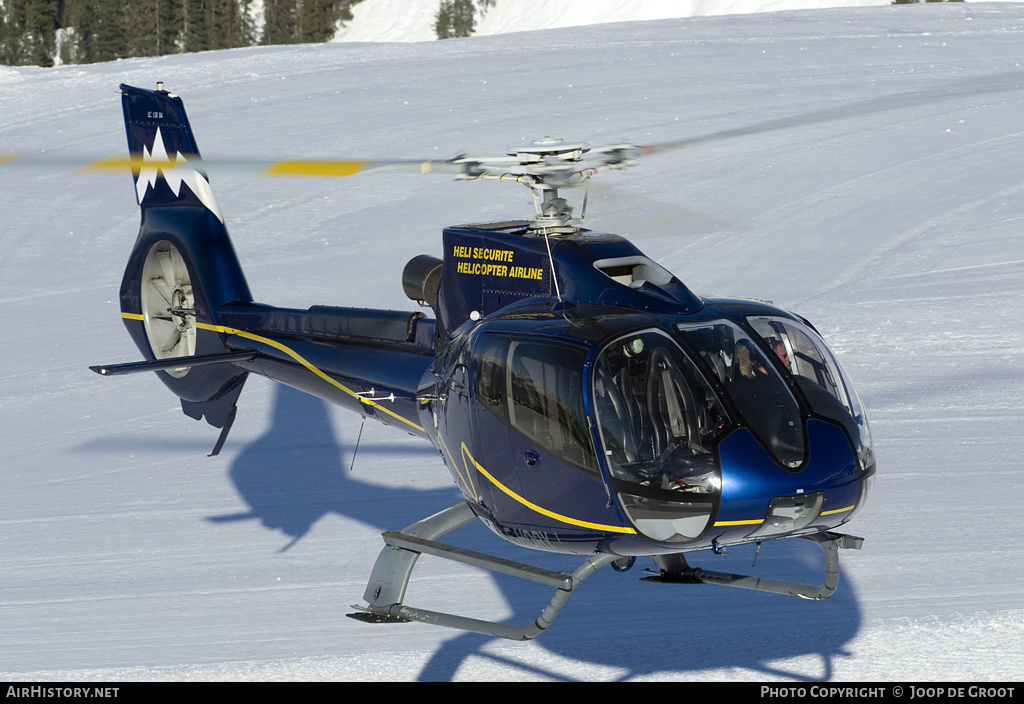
[584,400]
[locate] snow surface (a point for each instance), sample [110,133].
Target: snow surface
[869,176]
[413,20]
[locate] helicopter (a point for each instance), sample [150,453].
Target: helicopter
[584,400]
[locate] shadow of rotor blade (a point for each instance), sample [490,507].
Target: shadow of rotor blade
[1000,83]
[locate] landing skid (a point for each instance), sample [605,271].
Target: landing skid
[389,579]
[675,569]
[385,590]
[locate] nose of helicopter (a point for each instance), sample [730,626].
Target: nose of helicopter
[761,500]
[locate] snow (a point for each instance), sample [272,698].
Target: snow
[869,176]
[413,20]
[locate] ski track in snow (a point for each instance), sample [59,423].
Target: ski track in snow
[893,224]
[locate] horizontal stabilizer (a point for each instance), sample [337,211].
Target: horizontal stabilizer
[173,363]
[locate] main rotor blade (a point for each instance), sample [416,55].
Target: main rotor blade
[58,161]
[329,168]
[1000,83]
[338,168]
[614,156]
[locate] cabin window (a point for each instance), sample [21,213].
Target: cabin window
[658,416]
[536,388]
[814,369]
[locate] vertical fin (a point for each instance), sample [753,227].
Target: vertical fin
[166,160]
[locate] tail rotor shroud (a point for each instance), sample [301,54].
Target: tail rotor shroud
[168,305]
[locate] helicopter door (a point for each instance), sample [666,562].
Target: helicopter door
[535,389]
[659,422]
[545,383]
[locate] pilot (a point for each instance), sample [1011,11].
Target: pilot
[749,363]
[780,349]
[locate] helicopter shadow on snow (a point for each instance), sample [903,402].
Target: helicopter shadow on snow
[298,472]
[617,626]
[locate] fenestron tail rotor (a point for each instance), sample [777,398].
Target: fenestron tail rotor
[168,305]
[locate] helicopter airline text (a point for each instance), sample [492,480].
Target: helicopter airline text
[487,254]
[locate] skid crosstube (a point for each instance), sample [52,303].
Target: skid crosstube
[385,591]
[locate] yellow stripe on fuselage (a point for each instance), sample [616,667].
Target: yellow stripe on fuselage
[298,358]
[837,510]
[465,451]
[725,524]
[543,511]
[467,478]
[304,362]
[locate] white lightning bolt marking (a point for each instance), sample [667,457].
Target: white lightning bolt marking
[175,175]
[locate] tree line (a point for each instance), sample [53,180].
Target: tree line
[50,32]
[457,18]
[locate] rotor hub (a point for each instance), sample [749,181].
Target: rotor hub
[181,307]
[551,148]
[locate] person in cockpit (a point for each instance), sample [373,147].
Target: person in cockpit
[783,354]
[748,363]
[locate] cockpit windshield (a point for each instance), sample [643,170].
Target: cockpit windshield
[756,388]
[819,376]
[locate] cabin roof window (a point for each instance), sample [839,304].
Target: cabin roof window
[634,271]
